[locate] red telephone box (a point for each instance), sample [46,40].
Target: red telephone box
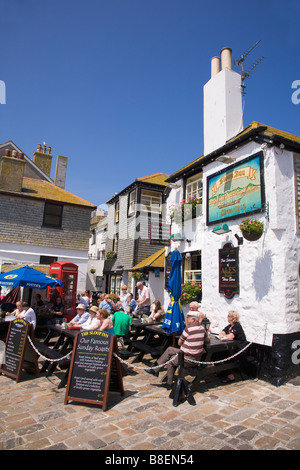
[68,274]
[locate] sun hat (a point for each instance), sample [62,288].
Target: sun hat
[81,306]
[94,309]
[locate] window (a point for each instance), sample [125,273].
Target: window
[93,237]
[151,201]
[116,242]
[115,284]
[192,267]
[117,209]
[194,187]
[131,202]
[48,259]
[52,215]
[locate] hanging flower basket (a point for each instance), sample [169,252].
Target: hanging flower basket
[252,229]
[137,276]
[111,254]
[93,270]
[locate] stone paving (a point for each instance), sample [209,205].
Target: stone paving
[243,415]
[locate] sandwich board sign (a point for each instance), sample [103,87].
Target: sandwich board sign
[19,353]
[94,369]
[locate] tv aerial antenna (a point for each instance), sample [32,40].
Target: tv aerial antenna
[240,63]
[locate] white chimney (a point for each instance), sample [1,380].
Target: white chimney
[223,110]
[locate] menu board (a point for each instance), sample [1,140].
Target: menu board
[18,351]
[94,369]
[229,270]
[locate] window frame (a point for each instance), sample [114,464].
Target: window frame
[150,207]
[47,214]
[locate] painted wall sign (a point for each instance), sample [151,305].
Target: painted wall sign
[229,270]
[236,191]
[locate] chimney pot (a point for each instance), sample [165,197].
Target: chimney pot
[226,57]
[14,153]
[215,66]
[49,150]
[44,148]
[7,153]
[39,148]
[21,156]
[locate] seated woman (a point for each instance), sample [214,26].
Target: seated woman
[105,322]
[234,331]
[157,312]
[92,323]
[18,310]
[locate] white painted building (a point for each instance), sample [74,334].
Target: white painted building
[245,172]
[98,236]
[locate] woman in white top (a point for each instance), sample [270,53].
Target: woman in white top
[92,322]
[124,299]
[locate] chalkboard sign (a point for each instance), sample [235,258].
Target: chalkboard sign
[229,270]
[94,369]
[19,353]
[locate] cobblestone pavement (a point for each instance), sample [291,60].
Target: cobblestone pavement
[246,414]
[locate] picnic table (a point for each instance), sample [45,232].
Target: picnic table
[154,342]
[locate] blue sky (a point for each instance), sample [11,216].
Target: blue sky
[117,85]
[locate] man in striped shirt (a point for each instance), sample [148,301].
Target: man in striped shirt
[191,342]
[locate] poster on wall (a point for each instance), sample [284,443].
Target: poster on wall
[237,190]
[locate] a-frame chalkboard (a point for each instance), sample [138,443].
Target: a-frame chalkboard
[19,354]
[94,369]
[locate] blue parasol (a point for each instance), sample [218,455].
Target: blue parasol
[174,319]
[28,277]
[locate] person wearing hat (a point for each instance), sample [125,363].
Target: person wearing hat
[81,317]
[92,323]
[191,342]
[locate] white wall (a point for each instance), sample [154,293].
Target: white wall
[268,298]
[31,254]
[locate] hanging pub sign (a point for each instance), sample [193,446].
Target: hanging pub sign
[94,369]
[236,191]
[19,354]
[229,270]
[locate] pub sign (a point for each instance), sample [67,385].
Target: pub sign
[229,270]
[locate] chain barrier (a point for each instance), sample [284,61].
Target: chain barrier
[46,358]
[229,358]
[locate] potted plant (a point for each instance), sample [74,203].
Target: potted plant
[185,210]
[111,254]
[93,270]
[252,229]
[190,291]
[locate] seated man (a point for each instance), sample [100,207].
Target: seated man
[107,304]
[81,317]
[191,342]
